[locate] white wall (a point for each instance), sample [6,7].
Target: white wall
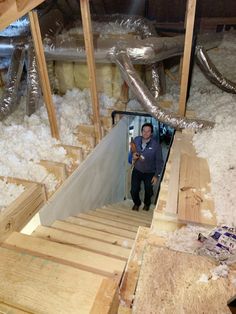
[99,180]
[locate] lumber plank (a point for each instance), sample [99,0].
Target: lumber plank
[82,242]
[7,309]
[44,79]
[93,234]
[107,298]
[37,285]
[194,188]
[65,254]
[19,212]
[101,227]
[140,213]
[108,222]
[9,10]
[114,217]
[123,215]
[88,39]
[181,144]
[191,8]
[131,275]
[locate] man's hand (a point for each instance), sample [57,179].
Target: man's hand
[154,180]
[136,156]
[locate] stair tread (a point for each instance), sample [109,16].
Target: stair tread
[130,212]
[38,285]
[81,241]
[124,215]
[108,221]
[117,217]
[102,227]
[65,254]
[92,233]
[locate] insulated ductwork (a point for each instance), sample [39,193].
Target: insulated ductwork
[122,60]
[33,83]
[10,95]
[211,72]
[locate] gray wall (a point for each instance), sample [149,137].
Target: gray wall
[99,180]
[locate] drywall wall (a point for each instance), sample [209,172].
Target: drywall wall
[99,180]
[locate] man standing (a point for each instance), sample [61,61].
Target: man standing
[148,163]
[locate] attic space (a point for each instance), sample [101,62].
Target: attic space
[117,157]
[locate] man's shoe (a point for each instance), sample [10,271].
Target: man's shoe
[135,207]
[146,207]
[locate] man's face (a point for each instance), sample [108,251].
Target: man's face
[146,132]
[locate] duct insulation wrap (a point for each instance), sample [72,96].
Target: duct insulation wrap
[136,24]
[11,95]
[211,72]
[121,58]
[33,83]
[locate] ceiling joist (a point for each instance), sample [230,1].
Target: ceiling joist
[11,10]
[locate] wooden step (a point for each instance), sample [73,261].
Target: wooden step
[130,212]
[108,222]
[101,227]
[7,309]
[82,242]
[141,212]
[118,218]
[65,254]
[38,285]
[93,234]
[126,216]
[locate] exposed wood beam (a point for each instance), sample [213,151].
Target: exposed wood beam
[11,10]
[191,9]
[88,38]
[38,46]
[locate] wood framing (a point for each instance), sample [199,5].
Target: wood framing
[191,8]
[15,216]
[38,46]
[88,39]
[11,10]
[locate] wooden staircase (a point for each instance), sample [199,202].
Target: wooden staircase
[75,266]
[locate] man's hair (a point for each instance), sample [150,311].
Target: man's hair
[147,124]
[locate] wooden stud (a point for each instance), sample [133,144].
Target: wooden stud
[37,39]
[191,8]
[12,10]
[88,38]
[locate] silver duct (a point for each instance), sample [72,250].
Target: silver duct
[211,72]
[122,60]
[139,24]
[10,96]
[33,83]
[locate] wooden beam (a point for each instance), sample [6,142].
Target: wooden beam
[36,34]
[88,38]
[191,8]
[11,10]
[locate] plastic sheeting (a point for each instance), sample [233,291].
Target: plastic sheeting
[121,58]
[99,180]
[211,72]
[10,95]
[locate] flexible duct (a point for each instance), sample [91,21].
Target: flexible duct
[10,95]
[122,60]
[211,72]
[33,83]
